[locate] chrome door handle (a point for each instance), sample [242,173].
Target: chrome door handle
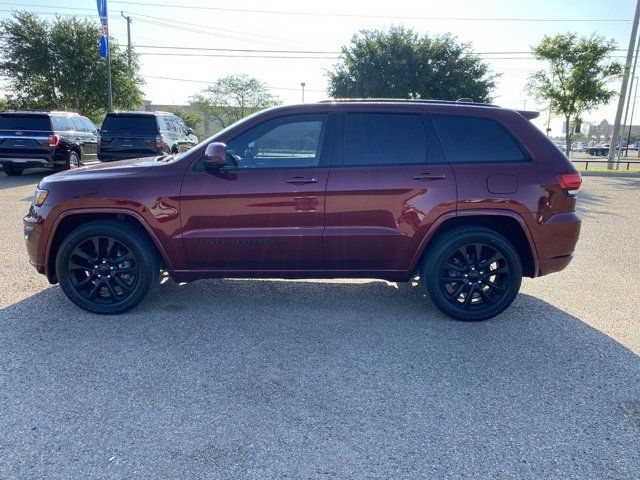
[429,176]
[302,180]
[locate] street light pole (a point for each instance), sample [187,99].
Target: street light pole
[128,19]
[633,108]
[303,85]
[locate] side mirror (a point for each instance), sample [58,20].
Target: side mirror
[215,156]
[189,131]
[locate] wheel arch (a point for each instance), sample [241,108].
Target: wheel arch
[66,222]
[507,223]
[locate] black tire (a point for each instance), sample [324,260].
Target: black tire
[460,281]
[74,161]
[12,170]
[127,266]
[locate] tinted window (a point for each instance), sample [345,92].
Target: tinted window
[77,124]
[130,124]
[88,124]
[384,139]
[24,122]
[61,124]
[476,140]
[293,141]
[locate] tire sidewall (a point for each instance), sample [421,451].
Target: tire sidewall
[137,245]
[443,250]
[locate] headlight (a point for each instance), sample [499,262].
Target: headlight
[40,197]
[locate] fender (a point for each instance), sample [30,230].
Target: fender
[435,226]
[123,211]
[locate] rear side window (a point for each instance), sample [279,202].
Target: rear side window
[384,139]
[61,124]
[78,126]
[130,124]
[476,140]
[24,122]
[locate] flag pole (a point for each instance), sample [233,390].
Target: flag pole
[109,94]
[104,46]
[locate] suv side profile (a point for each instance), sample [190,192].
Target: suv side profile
[57,140]
[469,197]
[126,135]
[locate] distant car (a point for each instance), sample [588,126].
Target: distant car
[57,140]
[600,150]
[143,134]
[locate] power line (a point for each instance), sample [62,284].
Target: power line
[333,14]
[209,82]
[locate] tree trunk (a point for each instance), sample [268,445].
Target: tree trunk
[567,136]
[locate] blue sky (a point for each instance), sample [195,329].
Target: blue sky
[331,26]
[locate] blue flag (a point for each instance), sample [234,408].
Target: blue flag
[104,22]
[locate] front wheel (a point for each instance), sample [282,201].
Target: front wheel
[472,273]
[107,267]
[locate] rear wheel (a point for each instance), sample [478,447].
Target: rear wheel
[71,163]
[472,273]
[107,267]
[12,170]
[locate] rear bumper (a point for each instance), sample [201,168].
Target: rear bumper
[115,156]
[556,241]
[28,161]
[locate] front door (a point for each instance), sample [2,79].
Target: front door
[265,210]
[390,184]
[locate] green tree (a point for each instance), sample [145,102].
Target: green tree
[57,65]
[577,75]
[233,97]
[399,63]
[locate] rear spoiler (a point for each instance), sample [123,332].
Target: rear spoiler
[529,114]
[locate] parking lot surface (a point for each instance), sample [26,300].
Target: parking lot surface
[328,379]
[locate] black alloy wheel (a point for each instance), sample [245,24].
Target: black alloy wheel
[107,266]
[472,273]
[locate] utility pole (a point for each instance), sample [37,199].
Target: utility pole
[128,19]
[626,111]
[623,88]
[633,108]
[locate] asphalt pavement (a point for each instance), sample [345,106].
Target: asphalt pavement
[346,379]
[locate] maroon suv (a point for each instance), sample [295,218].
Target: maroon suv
[470,197]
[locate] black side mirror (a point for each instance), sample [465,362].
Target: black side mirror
[215,156]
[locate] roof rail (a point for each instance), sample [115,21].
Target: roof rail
[407,100]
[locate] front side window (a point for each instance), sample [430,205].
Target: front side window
[78,126]
[88,125]
[384,139]
[292,141]
[476,140]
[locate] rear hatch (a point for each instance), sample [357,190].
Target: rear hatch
[24,135]
[129,135]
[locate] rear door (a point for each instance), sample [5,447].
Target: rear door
[129,135]
[91,138]
[80,136]
[24,136]
[265,211]
[390,183]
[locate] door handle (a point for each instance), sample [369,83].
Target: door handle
[302,180]
[429,176]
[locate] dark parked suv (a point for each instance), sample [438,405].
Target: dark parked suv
[469,197]
[143,134]
[58,140]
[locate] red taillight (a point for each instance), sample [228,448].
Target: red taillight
[54,140]
[569,181]
[159,141]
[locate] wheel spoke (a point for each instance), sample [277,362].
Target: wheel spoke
[84,282]
[123,258]
[77,266]
[468,297]
[110,244]
[478,253]
[450,279]
[112,292]
[96,289]
[495,257]
[494,286]
[95,241]
[122,284]
[485,298]
[497,271]
[83,255]
[456,293]
[457,268]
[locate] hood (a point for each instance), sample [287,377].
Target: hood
[110,169]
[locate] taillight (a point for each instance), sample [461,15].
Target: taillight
[159,141]
[54,140]
[569,181]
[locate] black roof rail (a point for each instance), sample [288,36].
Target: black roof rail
[407,100]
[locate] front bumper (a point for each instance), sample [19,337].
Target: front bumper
[35,237]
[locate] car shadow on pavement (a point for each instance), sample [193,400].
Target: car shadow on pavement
[27,178]
[275,379]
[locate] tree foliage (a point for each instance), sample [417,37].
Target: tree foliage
[233,97]
[399,63]
[192,119]
[57,65]
[577,76]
